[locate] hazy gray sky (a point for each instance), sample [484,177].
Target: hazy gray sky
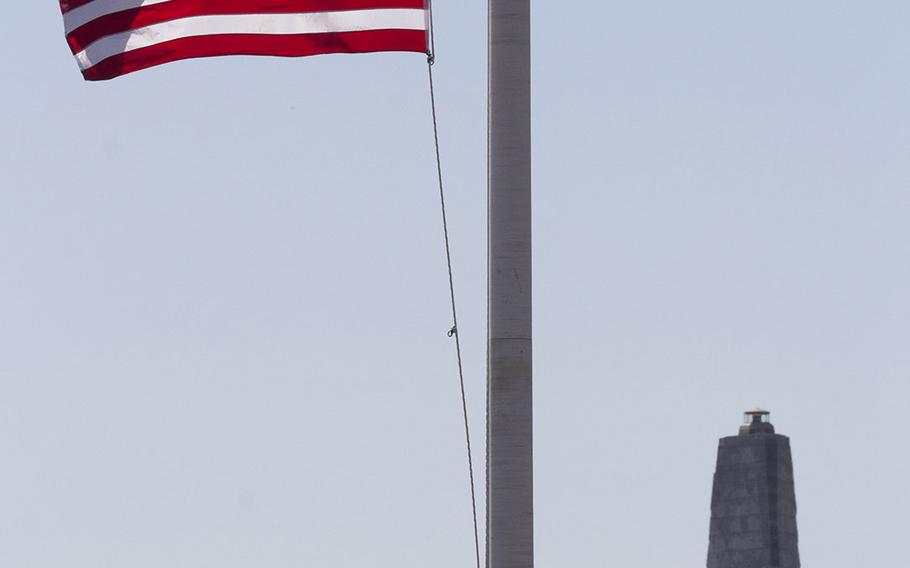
[224,311]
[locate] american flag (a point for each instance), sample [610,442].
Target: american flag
[110,38]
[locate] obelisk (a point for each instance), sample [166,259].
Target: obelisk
[753,505]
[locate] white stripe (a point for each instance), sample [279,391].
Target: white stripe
[78,17]
[266,24]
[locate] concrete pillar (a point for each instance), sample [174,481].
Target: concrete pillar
[510,432]
[753,505]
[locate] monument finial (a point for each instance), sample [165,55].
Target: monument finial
[756,421]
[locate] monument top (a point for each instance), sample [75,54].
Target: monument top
[756,421]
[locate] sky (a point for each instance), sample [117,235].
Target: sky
[224,301]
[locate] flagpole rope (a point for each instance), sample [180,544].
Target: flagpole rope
[454,331]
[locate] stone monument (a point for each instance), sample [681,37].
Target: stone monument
[753,504]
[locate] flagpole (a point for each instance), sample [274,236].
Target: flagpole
[510,503]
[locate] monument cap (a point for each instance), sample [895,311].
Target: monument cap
[756,421]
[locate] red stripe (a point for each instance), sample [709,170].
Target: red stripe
[246,44]
[67,5]
[263,5]
[118,22]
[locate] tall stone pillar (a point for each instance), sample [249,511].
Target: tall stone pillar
[753,505]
